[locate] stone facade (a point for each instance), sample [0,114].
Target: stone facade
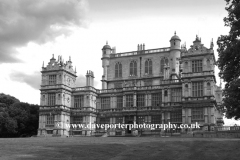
[148,86]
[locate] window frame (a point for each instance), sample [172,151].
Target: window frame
[148,67]
[118,70]
[197,66]
[51,99]
[52,79]
[105,103]
[78,101]
[197,89]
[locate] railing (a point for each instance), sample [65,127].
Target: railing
[86,88]
[171,81]
[158,50]
[84,109]
[189,74]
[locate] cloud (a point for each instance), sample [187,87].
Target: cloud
[81,81]
[33,80]
[38,21]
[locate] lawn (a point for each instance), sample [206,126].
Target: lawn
[116,148]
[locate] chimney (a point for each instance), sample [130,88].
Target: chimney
[90,78]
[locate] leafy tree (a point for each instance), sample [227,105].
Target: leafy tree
[229,60]
[7,100]
[17,118]
[26,116]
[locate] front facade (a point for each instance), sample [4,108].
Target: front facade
[147,86]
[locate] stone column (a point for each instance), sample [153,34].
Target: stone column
[189,115]
[204,88]
[162,117]
[146,99]
[183,116]
[205,115]
[149,100]
[134,99]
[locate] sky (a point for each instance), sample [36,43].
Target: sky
[32,30]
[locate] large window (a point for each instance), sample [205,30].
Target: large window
[140,119]
[119,102]
[133,68]
[156,99]
[52,79]
[129,100]
[78,101]
[148,67]
[176,95]
[118,70]
[197,66]
[78,120]
[197,114]
[105,103]
[51,99]
[105,120]
[157,119]
[50,120]
[119,120]
[197,89]
[140,100]
[176,116]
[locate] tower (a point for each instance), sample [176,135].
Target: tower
[106,51]
[175,52]
[58,81]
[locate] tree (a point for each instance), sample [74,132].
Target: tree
[229,60]
[17,118]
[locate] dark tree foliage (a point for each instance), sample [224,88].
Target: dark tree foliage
[229,60]
[7,100]
[17,118]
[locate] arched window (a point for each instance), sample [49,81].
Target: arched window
[166,62]
[148,66]
[118,70]
[133,68]
[162,65]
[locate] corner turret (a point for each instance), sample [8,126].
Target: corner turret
[175,51]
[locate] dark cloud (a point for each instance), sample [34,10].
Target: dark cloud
[39,21]
[33,80]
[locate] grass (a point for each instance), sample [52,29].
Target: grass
[117,148]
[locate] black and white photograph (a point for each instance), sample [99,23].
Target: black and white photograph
[119,79]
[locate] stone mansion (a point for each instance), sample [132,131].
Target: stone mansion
[153,86]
